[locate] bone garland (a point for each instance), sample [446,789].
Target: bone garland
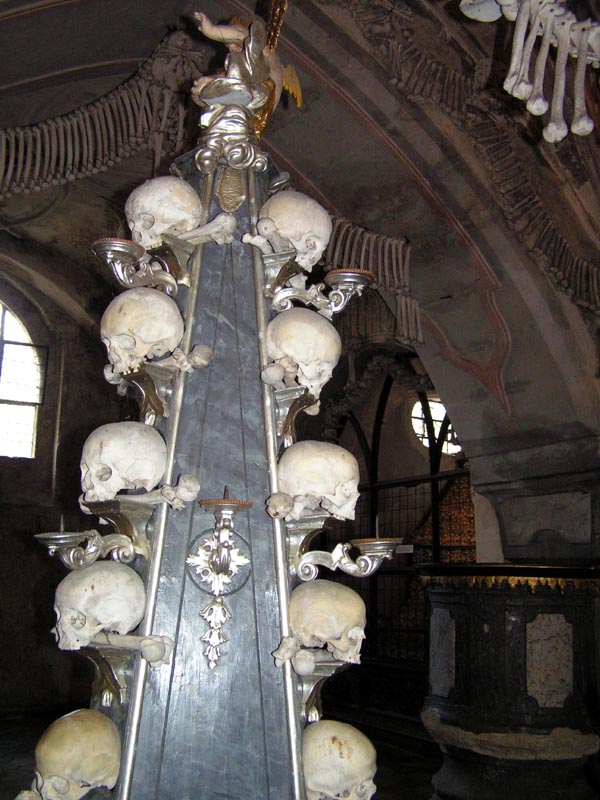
[556,129]
[517,48]
[582,124]
[537,103]
[135,116]
[556,25]
[481,10]
[510,8]
[522,87]
[525,211]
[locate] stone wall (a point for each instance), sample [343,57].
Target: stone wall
[35,495]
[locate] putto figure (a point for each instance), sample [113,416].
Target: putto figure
[253,75]
[239,101]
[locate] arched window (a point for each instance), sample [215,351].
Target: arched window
[438,413]
[22,378]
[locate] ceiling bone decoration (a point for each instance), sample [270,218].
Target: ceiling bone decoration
[146,112]
[553,24]
[388,258]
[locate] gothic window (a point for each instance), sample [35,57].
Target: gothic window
[22,378]
[438,413]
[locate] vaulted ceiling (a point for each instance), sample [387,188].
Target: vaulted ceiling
[404,129]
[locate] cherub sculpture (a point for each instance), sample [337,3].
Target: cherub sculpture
[253,75]
[239,100]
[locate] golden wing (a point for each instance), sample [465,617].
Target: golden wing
[277,9]
[291,83]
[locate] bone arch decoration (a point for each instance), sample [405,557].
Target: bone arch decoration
[423,79]
[147,111]
[352,246]
[554,24]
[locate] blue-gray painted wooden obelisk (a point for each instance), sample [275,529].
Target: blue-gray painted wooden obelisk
[218,734]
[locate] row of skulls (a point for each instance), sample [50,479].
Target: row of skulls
[316,477]
[82,750]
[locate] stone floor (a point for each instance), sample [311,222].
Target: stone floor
[406,759]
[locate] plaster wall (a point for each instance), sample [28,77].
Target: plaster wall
[37,496]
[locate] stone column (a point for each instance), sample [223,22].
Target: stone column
[217,724]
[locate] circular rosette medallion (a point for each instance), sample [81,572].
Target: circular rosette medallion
[219,562]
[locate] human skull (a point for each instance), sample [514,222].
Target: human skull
[325,613]
[140,324]
[291,220]
[339,761]
[162,205]
[77,753]
[121,455]
[317,476]
[305,345]
[106,596]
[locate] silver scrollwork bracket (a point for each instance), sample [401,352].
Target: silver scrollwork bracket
[300,534]
[288,404]
[153,380]
[113,674]
[129,516]
[80,549]
[305,563]
[342,283]
[309,686]
[132,266]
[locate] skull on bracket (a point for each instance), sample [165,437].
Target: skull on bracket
[121,455]
[76,754]
[315,476]
[325,613]
[106,596]
[162,205]
[306,349]
[339,761]
[291,220]
[138,325]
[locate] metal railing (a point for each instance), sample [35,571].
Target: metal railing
[434,514]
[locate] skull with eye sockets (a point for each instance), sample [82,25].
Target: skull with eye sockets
[162,205]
